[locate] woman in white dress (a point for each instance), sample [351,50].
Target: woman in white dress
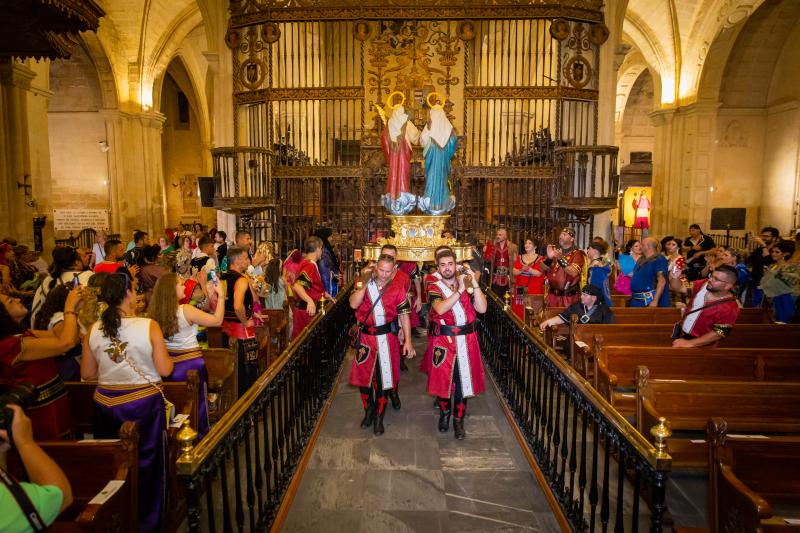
[127,357]
[179,325]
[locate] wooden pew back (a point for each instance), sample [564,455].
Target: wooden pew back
[222,379]
[183,394]
[615,366]
[687,405]
[667,315]
[748,476]
[90,465]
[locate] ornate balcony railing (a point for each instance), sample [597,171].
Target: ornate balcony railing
[587,181]
[598,467]
[237,476]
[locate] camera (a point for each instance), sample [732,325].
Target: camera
[22,394]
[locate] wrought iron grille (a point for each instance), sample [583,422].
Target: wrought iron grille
[237,476]
[603,473]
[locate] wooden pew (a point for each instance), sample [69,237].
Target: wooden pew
[222,380]
[619,300]
[615,367]
[668,315]
[587,339]
[748,407]
[751,480]
[183,394]
[90,465]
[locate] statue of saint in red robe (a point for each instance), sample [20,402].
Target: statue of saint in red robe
[397,138]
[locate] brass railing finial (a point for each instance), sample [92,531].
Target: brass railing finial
[661,432]
[186,436]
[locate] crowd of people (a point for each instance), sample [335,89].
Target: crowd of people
[649,272]
[129,317]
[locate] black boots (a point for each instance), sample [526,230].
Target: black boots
[378,429]
[458,420]
[458,428]
[369,416]
[444,415]
[396,399]
[369,408]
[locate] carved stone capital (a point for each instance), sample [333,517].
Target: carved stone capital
[16,75]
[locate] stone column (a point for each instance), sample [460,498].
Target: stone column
[136,172]
[15,165]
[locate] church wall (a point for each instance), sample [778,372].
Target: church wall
[79,168]
[637,133]
[780,170]
[183,159]
[739,158]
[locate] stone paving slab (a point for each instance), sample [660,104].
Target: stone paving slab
[414,478]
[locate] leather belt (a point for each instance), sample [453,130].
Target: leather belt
[646,295]
[378,330]
[437,330]
[569,292]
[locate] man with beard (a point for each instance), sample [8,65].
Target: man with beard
[456,372]
[379,300]
[712,311]
[500,255]
[565,270]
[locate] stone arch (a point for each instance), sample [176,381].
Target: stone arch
[752,60]
[105,74]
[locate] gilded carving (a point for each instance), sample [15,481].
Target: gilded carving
[361,30]
[270,32]
[525,92]
[598,33]
[559,29]
[251,73]
[466,30]
[299,93]
[578,71]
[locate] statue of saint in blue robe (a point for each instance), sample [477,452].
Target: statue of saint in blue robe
[439,144]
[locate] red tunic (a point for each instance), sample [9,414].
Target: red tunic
[565,288]
[524,284]
[384,348]
[425,362]
[461,350]
[50,418]
[719,318]
[308,277]
[501,263]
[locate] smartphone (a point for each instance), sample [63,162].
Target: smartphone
[76,281]
[212,277]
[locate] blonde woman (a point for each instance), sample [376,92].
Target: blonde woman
[179,325]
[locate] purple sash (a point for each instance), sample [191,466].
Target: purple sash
[192,359]
[144,405]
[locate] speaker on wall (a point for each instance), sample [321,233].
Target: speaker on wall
[728,218]
[206,191]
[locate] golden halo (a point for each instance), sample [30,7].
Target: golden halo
[433,106]
[391,98]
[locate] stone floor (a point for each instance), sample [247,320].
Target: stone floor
[414,478]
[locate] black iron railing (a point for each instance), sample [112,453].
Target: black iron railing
[602,472]
[237,476]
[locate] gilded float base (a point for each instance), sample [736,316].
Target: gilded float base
[416,238]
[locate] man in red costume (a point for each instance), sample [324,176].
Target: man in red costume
[500,255]
[398,136]
[379,300]
[712,311]
[308,288]
[565,269]
[456,370]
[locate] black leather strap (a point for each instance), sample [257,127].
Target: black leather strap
[30,512]
[452,331]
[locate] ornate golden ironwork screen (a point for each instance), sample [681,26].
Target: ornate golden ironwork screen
[311,81]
